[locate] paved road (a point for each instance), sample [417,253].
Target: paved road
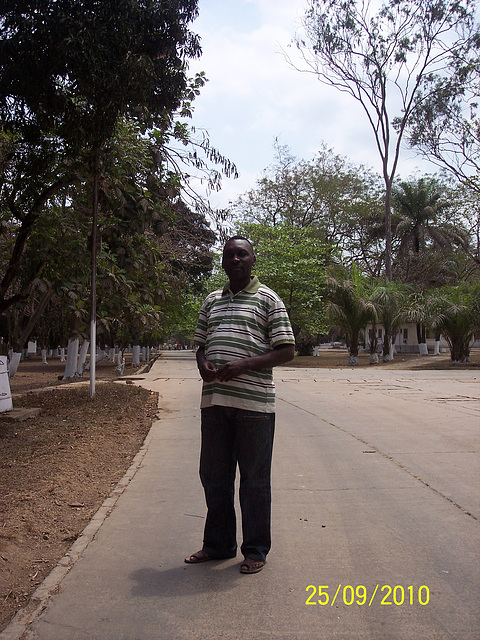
[376,495]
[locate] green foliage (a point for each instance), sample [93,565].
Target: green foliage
[349,305]
[336,200]
[291,261]
[181,318]
[390,300]
[455,313]
[98,88]
[74,67]
[70,71]
[152,248]
[430,239]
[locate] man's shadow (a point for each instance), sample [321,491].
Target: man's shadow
[221,575]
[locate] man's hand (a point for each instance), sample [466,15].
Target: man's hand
[231,370]
[277,356]
[207,369]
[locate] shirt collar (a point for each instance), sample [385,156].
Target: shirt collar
[252,287]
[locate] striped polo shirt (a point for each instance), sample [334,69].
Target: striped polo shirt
[232,326]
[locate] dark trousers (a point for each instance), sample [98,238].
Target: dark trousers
[231,436]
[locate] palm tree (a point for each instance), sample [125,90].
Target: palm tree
[349,307]
[423,238]
[455,312]
[389,299]
[420,204]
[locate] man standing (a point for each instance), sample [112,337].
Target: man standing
[243,332]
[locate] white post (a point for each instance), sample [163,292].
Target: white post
[72,358]
[15,357]
[82,358]
[93,350]
[389,356]
[136,354]
[423,349]
[5,395]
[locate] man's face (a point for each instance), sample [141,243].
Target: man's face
[238,260]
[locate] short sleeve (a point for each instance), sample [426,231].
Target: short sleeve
[280,329]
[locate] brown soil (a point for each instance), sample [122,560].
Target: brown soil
[57,469]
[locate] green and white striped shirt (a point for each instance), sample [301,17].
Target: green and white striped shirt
[230,327]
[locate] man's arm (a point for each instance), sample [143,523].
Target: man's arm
[279,355]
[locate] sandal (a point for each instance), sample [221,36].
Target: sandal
[197,557]
[249,565]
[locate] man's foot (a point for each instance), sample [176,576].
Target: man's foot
[198,556]
[249,565]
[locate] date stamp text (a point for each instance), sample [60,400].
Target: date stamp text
[385,595]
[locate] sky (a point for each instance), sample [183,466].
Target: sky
[254,97]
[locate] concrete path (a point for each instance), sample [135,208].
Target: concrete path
[376,521]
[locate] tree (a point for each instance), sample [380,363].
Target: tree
[467,215]
[427,235]
[33,175]
[455,313]
[336,200]
[381,61]
[389,299]
[122,59]
[152,249]
[55,258]
[445,127]
[92,62]
[292,261]
[349,306]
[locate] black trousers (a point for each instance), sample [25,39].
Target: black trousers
[229,437]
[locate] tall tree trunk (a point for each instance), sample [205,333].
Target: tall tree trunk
[374,345]
[353,350]
[388,230]
[93,316]
[422,339]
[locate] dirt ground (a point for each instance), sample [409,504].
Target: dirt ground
[57,468]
